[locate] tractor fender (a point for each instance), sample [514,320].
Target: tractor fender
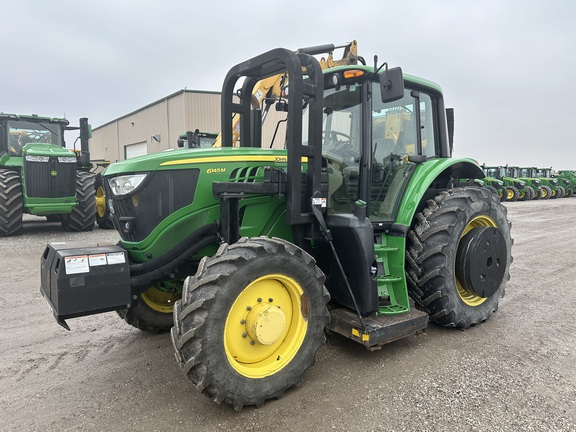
[429,172]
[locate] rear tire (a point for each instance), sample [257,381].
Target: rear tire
[432,256]
[83,215]
[11,203]
[251,321]
[528,193]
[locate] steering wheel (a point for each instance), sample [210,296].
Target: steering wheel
[331,138]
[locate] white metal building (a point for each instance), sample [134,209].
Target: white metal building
[156,126]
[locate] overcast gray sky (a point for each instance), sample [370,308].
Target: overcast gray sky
[507,67]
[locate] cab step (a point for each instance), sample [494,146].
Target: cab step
[380,329]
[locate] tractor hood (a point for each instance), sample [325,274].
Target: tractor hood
[182,159]
[47,150]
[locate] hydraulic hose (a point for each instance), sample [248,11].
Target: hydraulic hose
[146,279]
[181,248]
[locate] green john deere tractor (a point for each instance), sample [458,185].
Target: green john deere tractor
[529,175]
[40,176]
[568,179]
[556,187]
[249,253]
[516,189]
[496,186]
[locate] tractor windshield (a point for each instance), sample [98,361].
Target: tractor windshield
[496,172]
[394,129]
[26,132]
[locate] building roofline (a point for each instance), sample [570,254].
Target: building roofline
[170,96]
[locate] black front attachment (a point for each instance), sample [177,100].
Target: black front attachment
[84,279]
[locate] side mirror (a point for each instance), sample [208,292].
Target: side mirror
[392,84]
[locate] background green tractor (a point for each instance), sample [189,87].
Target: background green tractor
[529,176]
[556,187]
[40,176]
[516,189]
[249,253]
[568,178]
[196,139]
[496,186]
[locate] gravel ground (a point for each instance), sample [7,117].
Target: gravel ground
[514,372]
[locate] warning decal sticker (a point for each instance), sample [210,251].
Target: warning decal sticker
[97,260]
[116,258]
[76,264]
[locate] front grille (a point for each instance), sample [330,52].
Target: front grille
[50,179]
[161,194]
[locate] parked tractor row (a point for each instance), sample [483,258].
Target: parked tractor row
[512,183]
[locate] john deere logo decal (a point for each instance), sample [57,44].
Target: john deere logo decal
[53,173]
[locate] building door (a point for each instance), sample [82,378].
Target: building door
[133,150]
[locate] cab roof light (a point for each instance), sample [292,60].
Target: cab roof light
[353,73]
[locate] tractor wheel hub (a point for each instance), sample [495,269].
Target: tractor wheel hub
[481,261]
[266,323]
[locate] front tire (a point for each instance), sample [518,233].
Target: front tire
[528,193]
[545,192]
[511,193]
[83,215]
[11,203]
[152,311]
[440,257]
[251,321]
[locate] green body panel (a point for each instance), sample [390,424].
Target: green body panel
[424,175]
[533,183]
[263,215]
[47,150]
[494,182]
[49,206]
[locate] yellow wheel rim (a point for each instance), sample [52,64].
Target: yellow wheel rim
[100,201]
[544,193]
[158,300]
[266,326]
[510,194]
[468,297]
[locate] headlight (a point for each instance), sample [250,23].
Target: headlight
[66,159]
[32,158]
[536,182]
[123,185]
